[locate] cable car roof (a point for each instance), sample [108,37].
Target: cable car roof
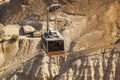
[59,37]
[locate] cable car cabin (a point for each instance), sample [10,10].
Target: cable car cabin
[53,42]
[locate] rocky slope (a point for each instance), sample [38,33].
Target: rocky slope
[31,63]
[91,29]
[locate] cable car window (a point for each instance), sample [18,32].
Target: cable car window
[55,45]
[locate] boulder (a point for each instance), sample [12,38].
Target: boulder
[28,29]
[37,34]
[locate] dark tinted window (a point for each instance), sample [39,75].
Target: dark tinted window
[57,45]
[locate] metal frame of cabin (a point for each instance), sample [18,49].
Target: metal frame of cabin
[60,47]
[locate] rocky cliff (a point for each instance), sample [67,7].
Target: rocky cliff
[31,63]
[91,30]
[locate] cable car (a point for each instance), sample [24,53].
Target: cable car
[52,40]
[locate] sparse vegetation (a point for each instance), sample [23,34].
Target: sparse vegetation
[4,39]
[14,38]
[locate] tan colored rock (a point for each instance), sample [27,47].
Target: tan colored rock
[76,64]
[75,29]
[28,29]
[84,30]
[2,58]
[70,74]
[10,30]
[37,34]
[1,26]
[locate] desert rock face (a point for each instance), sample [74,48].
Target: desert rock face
[101,64]
[91,29]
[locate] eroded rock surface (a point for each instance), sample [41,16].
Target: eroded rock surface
[91,31]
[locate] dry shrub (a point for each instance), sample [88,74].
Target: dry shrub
[15,37]
[4,39]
